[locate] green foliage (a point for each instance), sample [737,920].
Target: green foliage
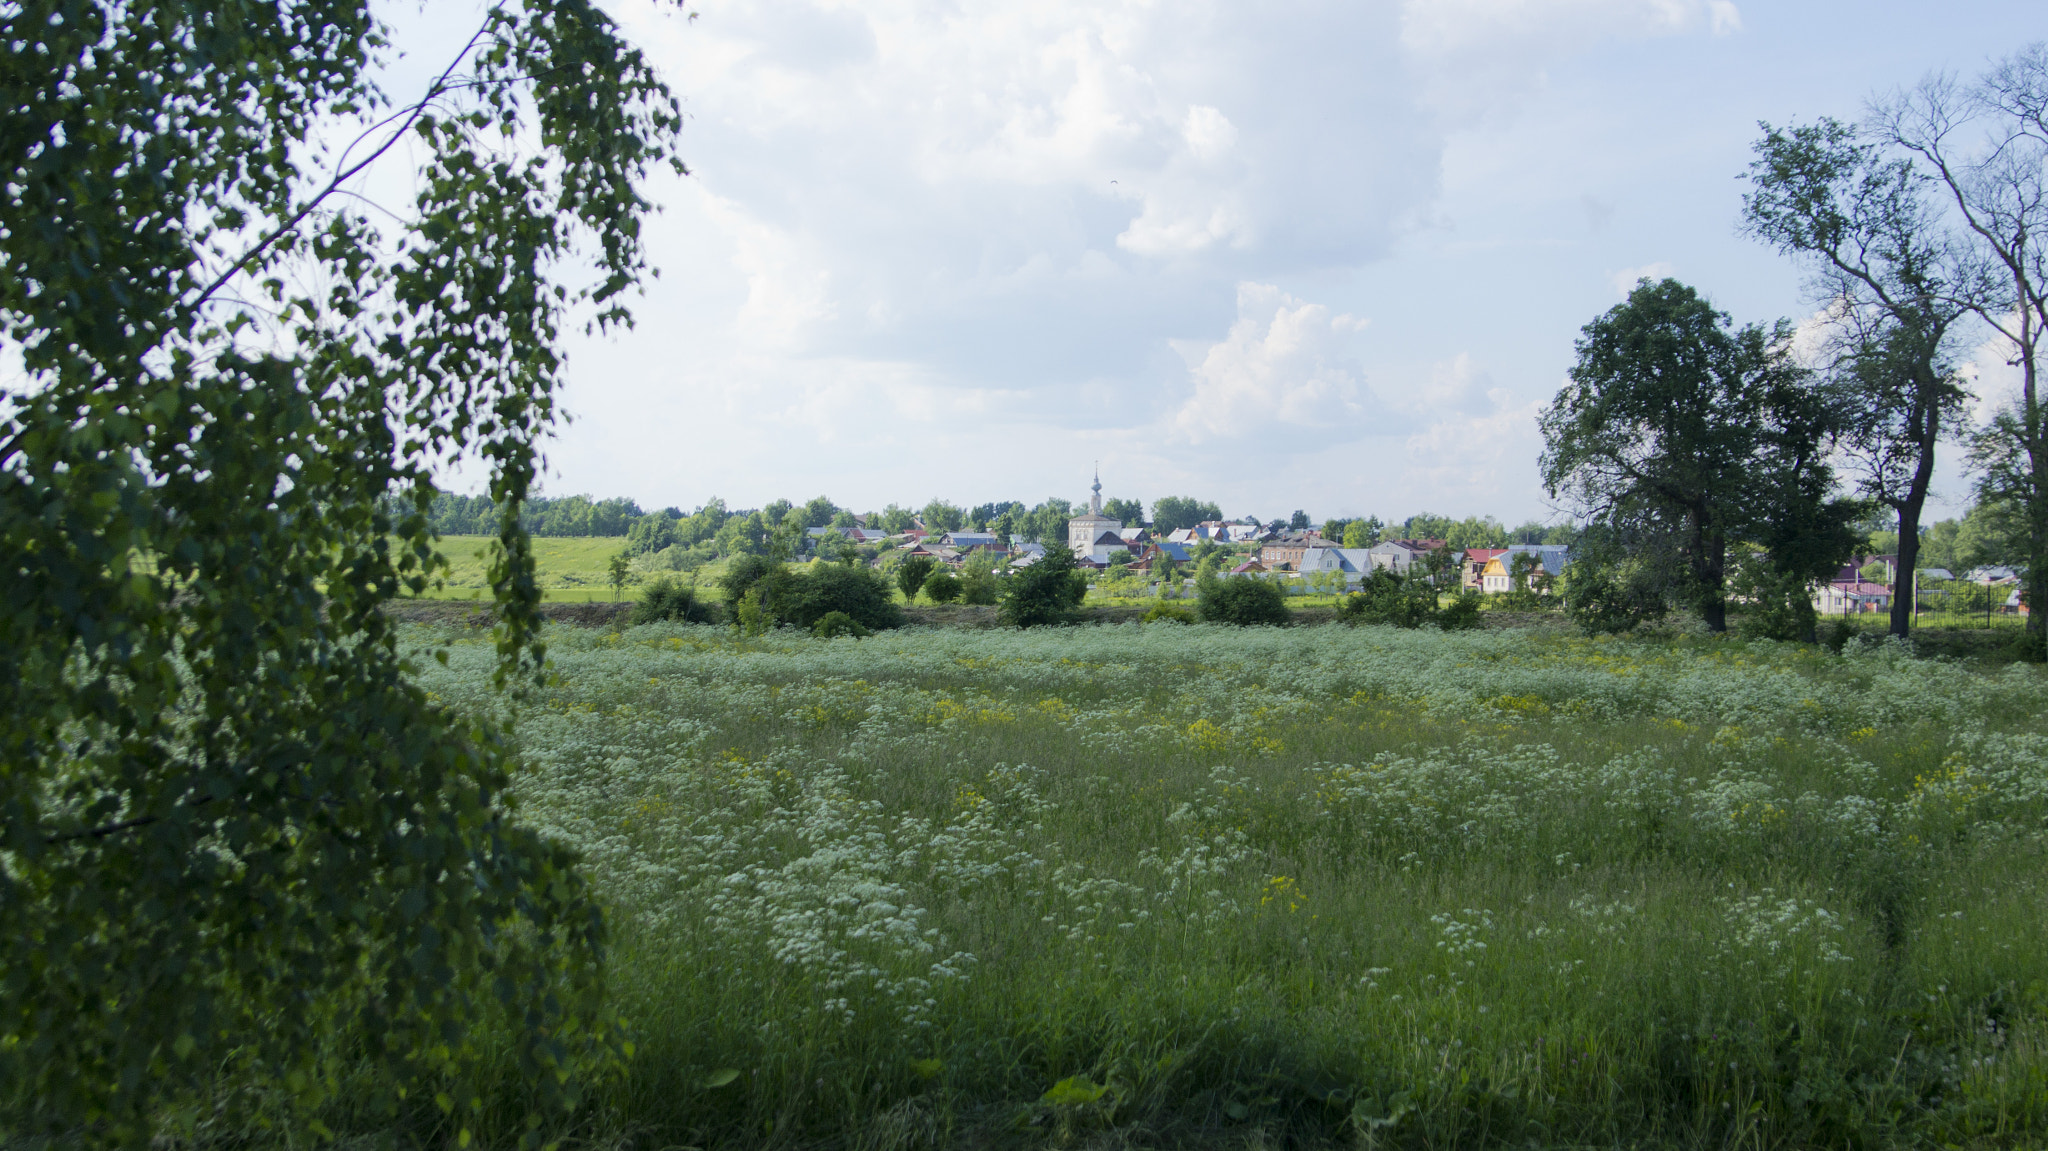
[1461,614]
[1682,436]
[1609,592]
[1048,592]
[896,519]
[1776,604]
[1362,533]
[942,586]
[1126,512]
[818,513]
[1385,597]
[1169,613]
[743,572]
[1992,532]
[618,570]
[766,593]
[1245,601]
[1899,290]
[739,535]
[940,516]
[245,853]
[912,572]
[671,600]
[1458,535]
[834,624]
[1172,513]
[752,613]
[979,584]
[821,589]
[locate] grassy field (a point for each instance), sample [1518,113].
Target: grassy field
[1185,886]
[571,569]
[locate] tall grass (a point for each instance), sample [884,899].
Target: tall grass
[1185,885]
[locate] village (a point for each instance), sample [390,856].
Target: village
[1132,560]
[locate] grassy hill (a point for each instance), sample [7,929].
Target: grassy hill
[572,569]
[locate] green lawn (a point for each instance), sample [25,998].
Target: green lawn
[1170,886]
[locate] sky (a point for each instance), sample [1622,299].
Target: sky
[1326,256]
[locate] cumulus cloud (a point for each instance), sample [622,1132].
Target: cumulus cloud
[1104,223]
[1283,367]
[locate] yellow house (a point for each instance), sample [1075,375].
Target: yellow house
[1498,574]
[1495,577]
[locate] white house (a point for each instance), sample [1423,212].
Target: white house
[1396,556]
[1851,597]
[1355,563]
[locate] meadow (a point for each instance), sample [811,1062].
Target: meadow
[1164,885]
[570,569]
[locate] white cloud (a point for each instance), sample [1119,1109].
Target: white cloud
[1283,368]
[1092,226]
[1209,133]
[1467,460]
[1994,380]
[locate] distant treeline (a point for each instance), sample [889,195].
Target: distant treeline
[713,529]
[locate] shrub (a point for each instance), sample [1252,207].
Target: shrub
[751,615]
[1461,615]
[834,624]
[911,574]
[1779,605]
[1169,613]
[942,587]
[980,589]
[744,572]
[1387,598]
[1613,598]
[1245,601]
[1047,592]
[671,600]
[978,581]
[862,594]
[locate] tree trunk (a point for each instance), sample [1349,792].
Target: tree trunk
[1926,427]
[1714,579]
[2034,584]
[2036,502]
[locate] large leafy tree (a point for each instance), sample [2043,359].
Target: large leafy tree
[1896,289]
[1985,147]
[1172,513]
[239,843]
[1129,513]
[1679,434]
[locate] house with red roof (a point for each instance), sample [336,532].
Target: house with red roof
[1474,565]
[1851,597]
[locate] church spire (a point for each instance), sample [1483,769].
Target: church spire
[1095,501]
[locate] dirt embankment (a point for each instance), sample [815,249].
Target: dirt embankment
[469,612]
[447,612]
